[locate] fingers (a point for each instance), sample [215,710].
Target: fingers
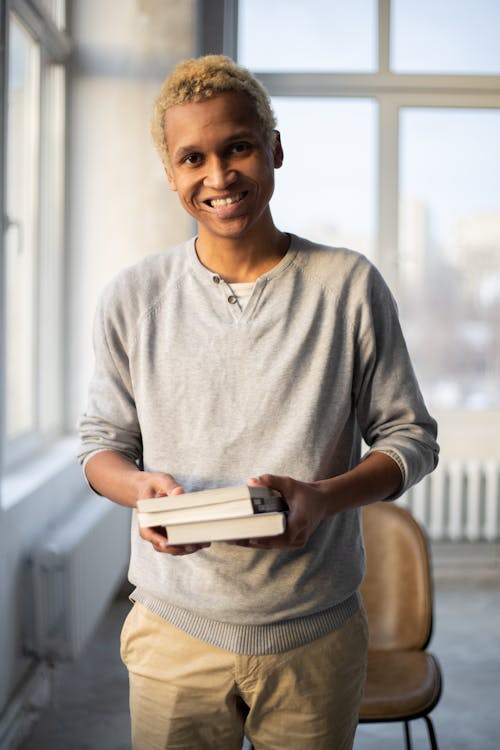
[255,482]
[176,489]
[159,541]
[302,518]
[265,480]
[158,484]
[284,485]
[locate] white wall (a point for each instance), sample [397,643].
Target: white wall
[120,208]
[469,434]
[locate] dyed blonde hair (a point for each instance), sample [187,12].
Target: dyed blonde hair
[202,78]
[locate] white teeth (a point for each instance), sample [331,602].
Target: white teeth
[219,202]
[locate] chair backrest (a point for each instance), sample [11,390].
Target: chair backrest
[397,589]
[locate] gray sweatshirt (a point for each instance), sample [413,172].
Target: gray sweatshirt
[187,383]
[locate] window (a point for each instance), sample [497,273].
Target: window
[335,199]
[311,39]
[56,11]
[32,238]
[410,96]
[23,127]
[445,36]
[449,252]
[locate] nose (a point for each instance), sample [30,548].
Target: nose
[219,174]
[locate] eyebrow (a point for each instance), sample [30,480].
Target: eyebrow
[185,151]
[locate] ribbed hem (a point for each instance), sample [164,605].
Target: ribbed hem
[273,638]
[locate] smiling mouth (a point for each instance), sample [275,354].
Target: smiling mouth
[222,202]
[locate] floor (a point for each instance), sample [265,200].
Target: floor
[90,705]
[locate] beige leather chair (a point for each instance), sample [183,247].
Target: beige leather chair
[403,680]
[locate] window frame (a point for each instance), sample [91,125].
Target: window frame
[393,92]
[54,48]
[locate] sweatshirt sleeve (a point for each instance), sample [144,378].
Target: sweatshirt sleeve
[391,412]
[110,420]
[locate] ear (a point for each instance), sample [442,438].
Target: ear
[278,150]
[170,177]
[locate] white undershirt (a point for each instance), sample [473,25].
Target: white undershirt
[243,291]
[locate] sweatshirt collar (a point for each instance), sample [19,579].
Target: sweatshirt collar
[205,274]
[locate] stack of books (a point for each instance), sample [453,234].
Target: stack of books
[224,514]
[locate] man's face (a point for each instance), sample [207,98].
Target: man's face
[221,165]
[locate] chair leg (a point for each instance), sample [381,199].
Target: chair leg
[432,734]
[407,735]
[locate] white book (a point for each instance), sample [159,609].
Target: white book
[205,497]
[227,529]
[234,509]
[227,502]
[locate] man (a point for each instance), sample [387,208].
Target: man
[248,354]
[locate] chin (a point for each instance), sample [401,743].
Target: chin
[230,232]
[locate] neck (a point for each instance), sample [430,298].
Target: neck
[242,259]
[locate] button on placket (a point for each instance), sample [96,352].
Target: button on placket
[229,297]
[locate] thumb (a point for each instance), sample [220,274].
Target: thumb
[166,484]
[256,482]
[269,480]
[177,490]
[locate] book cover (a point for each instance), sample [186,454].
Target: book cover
[227,529]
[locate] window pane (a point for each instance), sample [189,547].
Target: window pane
[21,255]
[448,36]
[450,253]
[329,35]
[50,270]
[325,189]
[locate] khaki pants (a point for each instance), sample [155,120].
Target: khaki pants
[188,695]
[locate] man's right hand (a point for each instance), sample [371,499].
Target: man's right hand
[158,484]
[117,477]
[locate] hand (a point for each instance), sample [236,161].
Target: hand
[308,505]
[158,484]
[376,477]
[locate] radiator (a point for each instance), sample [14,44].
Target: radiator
[459,501]
[72,575]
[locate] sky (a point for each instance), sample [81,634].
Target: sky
[429,35]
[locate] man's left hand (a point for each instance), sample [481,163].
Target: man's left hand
[308,504]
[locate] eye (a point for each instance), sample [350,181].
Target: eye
[192,159]
[240,148]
